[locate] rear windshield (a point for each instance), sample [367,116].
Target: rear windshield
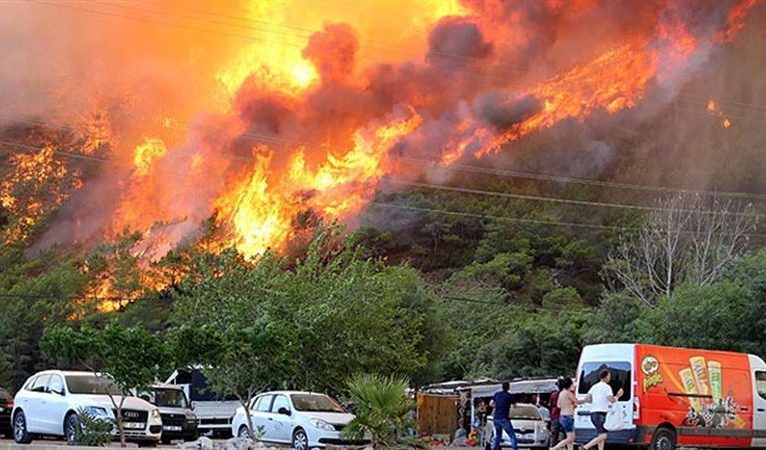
[315,403]
[621,377]
[91,384]
[525,413]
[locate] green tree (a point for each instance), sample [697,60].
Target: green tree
[382,409]
[239,361]
[345,313]
[131,358]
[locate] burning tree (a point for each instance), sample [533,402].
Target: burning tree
[686,239]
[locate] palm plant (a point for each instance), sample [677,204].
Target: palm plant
[382,409]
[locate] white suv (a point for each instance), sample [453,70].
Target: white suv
[49,403]
[302,419]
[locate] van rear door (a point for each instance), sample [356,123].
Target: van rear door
[619,360]
[758,369]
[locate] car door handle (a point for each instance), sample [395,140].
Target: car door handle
[744,409]
[761,410]
[271,418]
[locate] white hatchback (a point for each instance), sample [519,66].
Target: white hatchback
[530,426]
[49,402]
[302,419]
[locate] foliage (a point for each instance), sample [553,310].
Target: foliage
[337,308]
[239,361]
[93,431]
[131,356]
[382,409]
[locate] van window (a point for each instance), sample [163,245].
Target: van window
[621,377]
[760,384]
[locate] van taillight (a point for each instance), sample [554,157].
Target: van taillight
[636,408]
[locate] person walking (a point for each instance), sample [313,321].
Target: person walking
[501,417]
[567,402]
[601,396]
[556,430]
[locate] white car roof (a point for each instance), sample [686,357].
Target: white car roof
[292,392]
[66,372]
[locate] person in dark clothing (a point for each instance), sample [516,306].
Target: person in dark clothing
[557,431]
[502,417]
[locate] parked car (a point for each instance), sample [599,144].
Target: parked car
[529,424]
[6,406]
[302,419]
[677,397]
[214,412]
[49,402]
[178,418]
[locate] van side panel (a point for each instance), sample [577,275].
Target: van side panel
[706,396]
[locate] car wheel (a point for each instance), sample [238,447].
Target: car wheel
[664,439]
[71,424]
[166,441]
[20,434]
[300,440]
[243,433]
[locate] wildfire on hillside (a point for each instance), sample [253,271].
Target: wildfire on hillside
[274,109]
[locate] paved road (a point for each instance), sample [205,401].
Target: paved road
[51,443]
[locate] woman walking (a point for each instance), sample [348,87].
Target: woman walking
[567,402]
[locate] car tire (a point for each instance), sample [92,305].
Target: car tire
[300,440]
[166,441]
[71,423]
[243,432]
[20,433]
[664,439]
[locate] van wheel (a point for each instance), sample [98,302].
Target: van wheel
[20,434]
[664,439]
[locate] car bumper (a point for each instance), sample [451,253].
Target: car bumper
[324,438]
[5,421]
[178,429]
[151,433]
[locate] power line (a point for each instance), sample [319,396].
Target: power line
[530,221]
[557,200]
[509,173]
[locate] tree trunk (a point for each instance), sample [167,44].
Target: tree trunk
[121,426]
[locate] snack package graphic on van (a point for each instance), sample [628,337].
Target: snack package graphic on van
[679,397]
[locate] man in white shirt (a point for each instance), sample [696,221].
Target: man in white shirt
[601,396]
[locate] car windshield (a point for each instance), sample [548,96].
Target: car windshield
[315,403]
[91,384]
[525,413]
[170,398]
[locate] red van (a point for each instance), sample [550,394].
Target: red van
[677,396]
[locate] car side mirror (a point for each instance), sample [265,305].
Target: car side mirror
[284,411]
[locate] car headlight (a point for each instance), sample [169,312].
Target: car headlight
[321,424]
[155,414]
[97,412]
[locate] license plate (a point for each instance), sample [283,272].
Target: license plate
[134,425]
[171,428]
